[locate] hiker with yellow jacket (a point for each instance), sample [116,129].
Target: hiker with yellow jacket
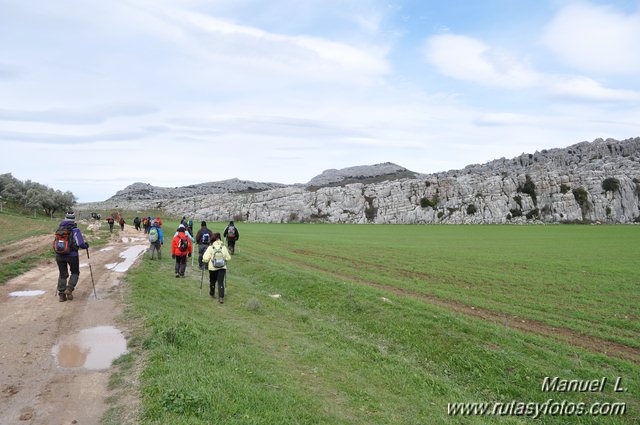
[216,256]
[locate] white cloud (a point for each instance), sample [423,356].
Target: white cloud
[583,88]
[595,38]
[469,59]
[466,58]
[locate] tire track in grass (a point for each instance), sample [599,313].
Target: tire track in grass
[587,342]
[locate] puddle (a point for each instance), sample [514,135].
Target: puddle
[129,255]
[125,240]
[109,248]
[92,348]
[84,265]
[26,293]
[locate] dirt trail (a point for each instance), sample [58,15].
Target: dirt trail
[34,389]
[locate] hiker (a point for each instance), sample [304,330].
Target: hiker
[121,222]
[110,222]
[232,235]
[136,223]
[186,232]
[184,221]
[146,223]
[216,256]
[181,248]
[203,238]
[68,240]
[156,239]
[190,226]
[158,220]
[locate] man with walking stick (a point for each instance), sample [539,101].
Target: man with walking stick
[67,241]
[91,271]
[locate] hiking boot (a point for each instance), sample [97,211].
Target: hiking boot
[220,300]
[177,275]
[68,293]
[63,298]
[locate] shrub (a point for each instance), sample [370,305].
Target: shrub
[426,202]
[293,217]
[581,196]
[471,209]
[564,188]
[534,213]
[509,216]
[608,211]
[516,213]
[529,188]
[611,184]
[518,200]
[440,214]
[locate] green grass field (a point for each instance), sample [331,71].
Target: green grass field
[387,325]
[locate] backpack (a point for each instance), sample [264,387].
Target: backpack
[206,238]
[183,244]
[218,262]
[153,235]
[231,232]
[64,242]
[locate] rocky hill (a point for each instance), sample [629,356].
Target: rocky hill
[586,182]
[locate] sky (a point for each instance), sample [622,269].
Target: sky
[96,95]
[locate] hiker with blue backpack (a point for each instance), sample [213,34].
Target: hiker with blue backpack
[204,237]
[156,239]
[181,248]
[216,257]
[67,241]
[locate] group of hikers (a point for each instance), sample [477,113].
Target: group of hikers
[213,255]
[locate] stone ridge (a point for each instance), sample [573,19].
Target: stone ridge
[359,172]
[585,182]
[144,191]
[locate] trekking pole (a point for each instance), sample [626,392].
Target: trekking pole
[91,272]
[201,279]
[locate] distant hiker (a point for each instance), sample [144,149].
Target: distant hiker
[156,239]
[121,222]
[204,237]
[232,235]
[216,256]
[181,248]
[136,223]
[184,221]
[158,221]
[68,239]
[190,226]
[146,223]
[110,221]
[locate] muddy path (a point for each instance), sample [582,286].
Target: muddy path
[44,378]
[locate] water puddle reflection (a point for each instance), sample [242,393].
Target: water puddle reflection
[129,255]
[92,348]
[109,248]
[26,293]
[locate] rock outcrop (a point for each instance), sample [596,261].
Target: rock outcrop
[586,182]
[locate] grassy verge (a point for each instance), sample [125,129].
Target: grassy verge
[332,350]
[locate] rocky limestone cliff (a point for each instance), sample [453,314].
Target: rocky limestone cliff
[592,182]
[145,191]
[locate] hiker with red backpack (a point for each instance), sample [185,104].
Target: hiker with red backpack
[232,235]
[216,256]
[67,241]
[121,222]
[181,248]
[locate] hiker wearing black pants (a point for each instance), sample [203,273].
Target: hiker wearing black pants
[232,235]
[68,240]
[203,239]
[216,256]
